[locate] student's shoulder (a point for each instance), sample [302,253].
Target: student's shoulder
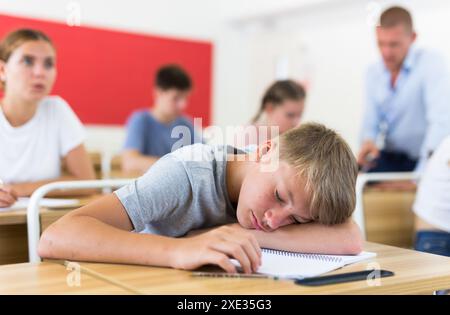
[428,54]
[52,101]
[178,166]
[56,106]
[200,153]
[140,115]
[192,151]
[430,59]
[185,120]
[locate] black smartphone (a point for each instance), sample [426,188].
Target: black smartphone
[344,277]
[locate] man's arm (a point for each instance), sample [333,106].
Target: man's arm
[371,120]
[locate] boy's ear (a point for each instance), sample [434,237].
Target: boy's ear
[262,153]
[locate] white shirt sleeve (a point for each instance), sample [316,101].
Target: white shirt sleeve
[432,202]
[71,130]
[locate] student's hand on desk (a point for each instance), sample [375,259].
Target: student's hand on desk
[8,196]
[217,247]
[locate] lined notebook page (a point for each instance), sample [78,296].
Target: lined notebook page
[286,264]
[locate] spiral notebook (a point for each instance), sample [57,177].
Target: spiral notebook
[286,264]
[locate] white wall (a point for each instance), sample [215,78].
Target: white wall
[193,19]
[326,42]
[338,43]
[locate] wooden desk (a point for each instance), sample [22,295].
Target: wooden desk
[415,273]
[13,230]
[52,278]
[388,217]
[20,216]
[119,174]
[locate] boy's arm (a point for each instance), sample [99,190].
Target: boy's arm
[101,232]
[340,239]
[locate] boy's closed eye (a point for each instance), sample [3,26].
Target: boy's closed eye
[278,198]
[294,219]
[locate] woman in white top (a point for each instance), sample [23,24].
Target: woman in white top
[432,205]
[37,132]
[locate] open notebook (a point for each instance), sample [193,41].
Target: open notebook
[286,264]
[22,203]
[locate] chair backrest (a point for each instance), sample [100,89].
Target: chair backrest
[388,217]
[33,222]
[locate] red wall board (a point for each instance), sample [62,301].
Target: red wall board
[106,74]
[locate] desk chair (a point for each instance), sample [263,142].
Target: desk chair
[363,180]
[33,226]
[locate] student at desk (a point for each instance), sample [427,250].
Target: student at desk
[296,192]
[281,107]
[149,132]
[37,131]
[432,205]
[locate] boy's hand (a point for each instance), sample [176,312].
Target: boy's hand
[217,247]
[7,196]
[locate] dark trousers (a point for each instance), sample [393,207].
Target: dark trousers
[393,162]
[433,242]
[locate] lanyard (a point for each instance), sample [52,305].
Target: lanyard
[389,114]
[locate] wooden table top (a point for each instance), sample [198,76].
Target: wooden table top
[415,273]
[52,278]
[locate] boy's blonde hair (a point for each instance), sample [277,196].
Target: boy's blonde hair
[326,164]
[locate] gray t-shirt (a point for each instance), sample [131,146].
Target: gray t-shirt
[183,191]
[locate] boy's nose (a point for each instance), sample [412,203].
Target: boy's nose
[274,218]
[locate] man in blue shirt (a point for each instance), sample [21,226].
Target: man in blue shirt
[407,110]
[152,133]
